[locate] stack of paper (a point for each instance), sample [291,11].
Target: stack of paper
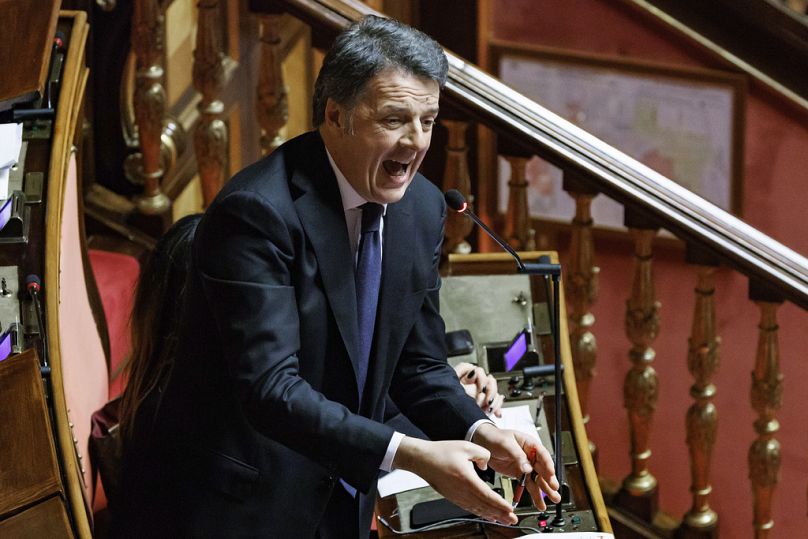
[10,144]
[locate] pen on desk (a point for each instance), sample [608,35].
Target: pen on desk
[520,489]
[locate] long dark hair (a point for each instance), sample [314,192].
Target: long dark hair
[153,324]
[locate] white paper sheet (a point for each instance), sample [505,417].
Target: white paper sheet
[517,418]
[10,144]
[399,481]
[4,173]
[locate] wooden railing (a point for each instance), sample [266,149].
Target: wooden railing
[713,237]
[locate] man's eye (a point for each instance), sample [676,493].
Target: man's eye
[428,122]
[392,121]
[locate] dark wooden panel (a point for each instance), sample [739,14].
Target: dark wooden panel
[28,470]
[25,48]
[45,519]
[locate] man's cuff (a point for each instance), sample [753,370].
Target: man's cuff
[475,426]
[392,447]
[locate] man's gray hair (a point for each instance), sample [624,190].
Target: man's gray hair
[368,47]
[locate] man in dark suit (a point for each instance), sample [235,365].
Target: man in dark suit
[305,306]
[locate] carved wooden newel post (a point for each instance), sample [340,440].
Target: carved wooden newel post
[702,416]
[767,397]
[518,231]
[639,492]
[210,134]
[456,176]
[582,292]
[149,102]
[272,106]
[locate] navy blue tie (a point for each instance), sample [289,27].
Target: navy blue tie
[368,278]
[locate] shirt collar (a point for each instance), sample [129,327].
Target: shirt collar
[350,198]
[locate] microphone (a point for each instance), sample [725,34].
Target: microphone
[456,201]
[33,284]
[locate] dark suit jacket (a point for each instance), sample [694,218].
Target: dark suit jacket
[261,414]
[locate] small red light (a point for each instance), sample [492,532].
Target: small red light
[465,205]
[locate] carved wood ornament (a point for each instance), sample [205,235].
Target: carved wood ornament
[582,292]
[702,416]
[210,133]
[272,106]
[767,397]
[640,389]
[149,101]
[456,176]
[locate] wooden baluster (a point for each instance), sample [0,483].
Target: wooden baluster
[702,416]
[582,292]
[210,134]
[272,105]
[149,101]
[518,231]
[456,176]
[639,493]
[767,397]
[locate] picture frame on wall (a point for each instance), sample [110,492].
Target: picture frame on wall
[685,123]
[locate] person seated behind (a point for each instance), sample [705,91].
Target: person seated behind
[153,324]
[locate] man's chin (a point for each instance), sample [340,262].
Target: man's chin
[391,195]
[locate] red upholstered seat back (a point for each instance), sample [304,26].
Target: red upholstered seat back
[116,275]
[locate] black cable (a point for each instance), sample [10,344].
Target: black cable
[454,522]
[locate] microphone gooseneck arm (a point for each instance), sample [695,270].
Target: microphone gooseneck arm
[456,201]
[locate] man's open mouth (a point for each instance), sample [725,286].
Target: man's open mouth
[395,168]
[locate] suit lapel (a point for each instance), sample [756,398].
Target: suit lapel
[320,210]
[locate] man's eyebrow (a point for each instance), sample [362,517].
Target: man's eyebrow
[387,109]
[397,109]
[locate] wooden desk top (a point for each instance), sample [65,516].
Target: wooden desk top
[25,48]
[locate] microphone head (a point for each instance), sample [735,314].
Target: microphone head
[32,282]
[455,200]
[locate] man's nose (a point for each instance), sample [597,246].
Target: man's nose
[415,138]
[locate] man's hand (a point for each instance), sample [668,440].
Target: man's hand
[448,467]
[481,387]
[509,456]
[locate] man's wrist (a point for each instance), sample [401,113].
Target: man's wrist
[476,426]
[407,454]
[478,436]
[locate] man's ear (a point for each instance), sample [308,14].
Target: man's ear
[334,115]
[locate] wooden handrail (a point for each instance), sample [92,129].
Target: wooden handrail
[598,165]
